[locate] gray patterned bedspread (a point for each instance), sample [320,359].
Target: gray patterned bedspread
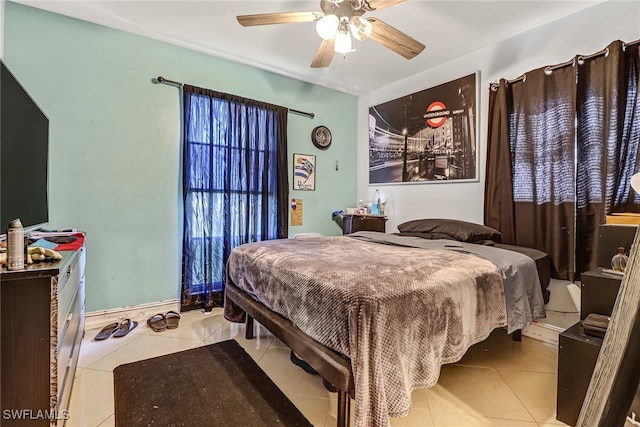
[521,282]
[397,312]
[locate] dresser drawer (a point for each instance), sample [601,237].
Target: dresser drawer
[68,352]
[68,284]
[353,223]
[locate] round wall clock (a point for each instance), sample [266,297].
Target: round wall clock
[321,137]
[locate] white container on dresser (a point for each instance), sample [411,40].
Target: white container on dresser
[42,325]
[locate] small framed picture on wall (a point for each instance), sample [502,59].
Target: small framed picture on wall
[304,172]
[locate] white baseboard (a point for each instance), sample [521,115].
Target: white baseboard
[98,319]
[140,312]
[543,332]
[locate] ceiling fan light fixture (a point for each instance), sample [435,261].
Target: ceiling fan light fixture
[343,42]
[327,26]
[360,28]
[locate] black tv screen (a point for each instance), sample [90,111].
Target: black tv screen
[24,154]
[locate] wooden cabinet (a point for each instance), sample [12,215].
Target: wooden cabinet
[352,223]
[577,356]
[41,327]
[599,292]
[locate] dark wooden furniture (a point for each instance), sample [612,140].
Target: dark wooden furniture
[577,357]
[42,324]
[333,367]
[599,292]
[356,222]
[578,352]
[610,237]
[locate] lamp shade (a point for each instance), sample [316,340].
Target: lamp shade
[343,42]
[327,26]
[635,182]
[360,28]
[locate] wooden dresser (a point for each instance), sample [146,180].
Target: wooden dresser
[42,325]
[354,222]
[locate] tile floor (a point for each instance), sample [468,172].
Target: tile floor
[498,382]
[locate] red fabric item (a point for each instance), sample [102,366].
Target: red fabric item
[73,246]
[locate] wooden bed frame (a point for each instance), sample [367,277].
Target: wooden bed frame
[330,364]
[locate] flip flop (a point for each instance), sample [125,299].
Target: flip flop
[107,331]
[172,319]
[330,387]
[126,326]
[157,322]
[304,365]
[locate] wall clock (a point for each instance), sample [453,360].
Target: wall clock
[321,137]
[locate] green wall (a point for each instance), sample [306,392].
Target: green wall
[115,150]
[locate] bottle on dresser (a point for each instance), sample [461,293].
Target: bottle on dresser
[375,206]
[15,245]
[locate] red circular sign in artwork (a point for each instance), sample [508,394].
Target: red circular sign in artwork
[433,119]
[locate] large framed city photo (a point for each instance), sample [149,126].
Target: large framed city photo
[426,137]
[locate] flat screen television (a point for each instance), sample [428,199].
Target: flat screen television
[24,156]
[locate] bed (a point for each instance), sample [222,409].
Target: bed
[378,314]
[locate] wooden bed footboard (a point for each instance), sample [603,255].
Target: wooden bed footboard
[330,364]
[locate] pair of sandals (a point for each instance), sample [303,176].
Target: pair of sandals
[161,322]
[118,329]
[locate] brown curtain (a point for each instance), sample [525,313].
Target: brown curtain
[498,205]
[543,158]
[573,149]
[622,198]
[607,154]
[529,189]
[600,99]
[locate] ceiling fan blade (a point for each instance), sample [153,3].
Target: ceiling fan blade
[278,18]
[325,54]
[395,39]
[381,4]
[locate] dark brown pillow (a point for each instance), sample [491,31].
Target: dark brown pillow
[454,229]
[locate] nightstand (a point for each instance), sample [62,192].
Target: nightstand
[577,356]
[599,292]
[356,222]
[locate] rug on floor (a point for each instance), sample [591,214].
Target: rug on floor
[214,385]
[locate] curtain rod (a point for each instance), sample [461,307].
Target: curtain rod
[626,45]
[162,80]
[550,68]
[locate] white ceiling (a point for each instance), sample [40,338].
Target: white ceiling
[448,28]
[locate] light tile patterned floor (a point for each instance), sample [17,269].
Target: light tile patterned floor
[498,382]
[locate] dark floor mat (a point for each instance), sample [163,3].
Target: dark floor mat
[214,385]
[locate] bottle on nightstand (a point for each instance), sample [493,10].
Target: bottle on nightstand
[619,260]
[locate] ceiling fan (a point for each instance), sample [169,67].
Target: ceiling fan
[340,20]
